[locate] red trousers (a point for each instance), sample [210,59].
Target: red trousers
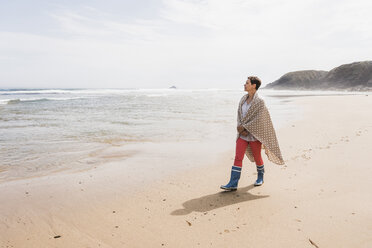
[241,146]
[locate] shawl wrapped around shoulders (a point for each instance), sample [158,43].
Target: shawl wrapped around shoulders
[258,122]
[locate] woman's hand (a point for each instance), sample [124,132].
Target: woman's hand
[240,129]
[244,133]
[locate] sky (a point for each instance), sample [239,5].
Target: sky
[186,43]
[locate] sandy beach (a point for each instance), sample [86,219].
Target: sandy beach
[322,197]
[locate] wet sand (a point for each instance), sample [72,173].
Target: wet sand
[321,198]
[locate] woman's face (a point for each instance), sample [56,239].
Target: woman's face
[247,85]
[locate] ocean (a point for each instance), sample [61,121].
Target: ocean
[50,130]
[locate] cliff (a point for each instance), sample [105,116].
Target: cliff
[354,76]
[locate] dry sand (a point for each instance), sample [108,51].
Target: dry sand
[322,197]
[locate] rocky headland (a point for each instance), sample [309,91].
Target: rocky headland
[356,76]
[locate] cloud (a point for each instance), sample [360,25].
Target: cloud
[85,26]
[208,43]
[288,17]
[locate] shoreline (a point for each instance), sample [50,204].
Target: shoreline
[84,155]
[313,197]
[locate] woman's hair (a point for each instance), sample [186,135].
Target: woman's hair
[256,81]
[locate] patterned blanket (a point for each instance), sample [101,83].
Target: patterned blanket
[258,123]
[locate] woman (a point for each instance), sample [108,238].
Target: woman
[255,130]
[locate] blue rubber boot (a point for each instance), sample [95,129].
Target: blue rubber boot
[260,175]
[234,179]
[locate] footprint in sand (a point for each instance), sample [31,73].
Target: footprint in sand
[304,156]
